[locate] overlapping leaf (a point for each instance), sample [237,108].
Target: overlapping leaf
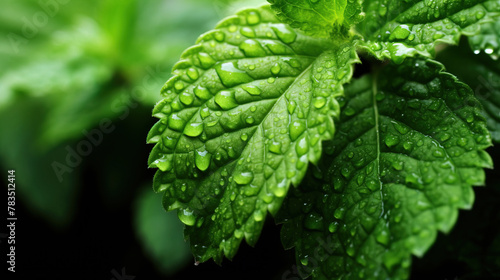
[482,74]
[397,29]
[244,114]
[488,40]
[409,147]
[319,17]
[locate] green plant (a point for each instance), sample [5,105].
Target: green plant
[394,155]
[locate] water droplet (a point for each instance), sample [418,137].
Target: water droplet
[391,140]
[480,14]
[339,213]
[175,122]
[258,215]
[249,120]
[202,93]
[252,90]
[187,217]
[243,178]
[462,142]
[192,73]
[398,165]
[350,250]
[252,48]
[294,63]
[179,85]
[230,75]
[296,129]
[279,190]
[401,32]
[302,146]
[284,33]
[438,153]
[275,147]
[319,102]
[271,80]
[276,69]
[253,18]
[383,237]
[225,99]
[202,160]
[244,137]
[291,107]
[163,163]
[193,129]
[438,35]
[247,32]
[206,60]
[333,227]
[349,111]
[186,98]
[382,10]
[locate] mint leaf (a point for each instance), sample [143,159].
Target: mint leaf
[397,29]
[482,74]
[242,117]
[318,17]
[488,40]
[409,146]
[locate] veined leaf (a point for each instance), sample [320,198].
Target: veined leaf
[488,40]
[397,29]
[318,17]
[409,146]
[482,74]
[241,119]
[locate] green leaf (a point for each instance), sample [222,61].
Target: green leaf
[409,146]
[242,117]
[318,17]
[397,29]
[488,40]
[482,74]
[160,234]
[38,187]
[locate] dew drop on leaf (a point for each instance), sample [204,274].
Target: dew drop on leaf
[193,129]
[284,33]
[253,18]
[202,160]
[243,178]
[230,75]
[296,129]
[252,48]
[252,90]
[175,122]
[187,217]
[225,99]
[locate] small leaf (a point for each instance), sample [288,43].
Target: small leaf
[235,135]
[319,17]
[410,145]
[398,29]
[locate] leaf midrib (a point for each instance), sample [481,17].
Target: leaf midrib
[377,132]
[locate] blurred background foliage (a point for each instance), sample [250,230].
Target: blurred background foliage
[67,67]
[77,85]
